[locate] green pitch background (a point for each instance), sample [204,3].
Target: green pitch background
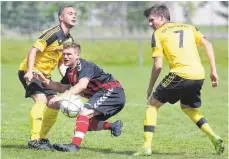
[175,136]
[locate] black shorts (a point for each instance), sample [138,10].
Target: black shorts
[174,88]
[36,87]
[108,102]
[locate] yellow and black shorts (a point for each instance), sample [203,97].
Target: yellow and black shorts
[174,88]
[35,87]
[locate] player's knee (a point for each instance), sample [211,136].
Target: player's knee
[87,112]
[183,106]
[40,98]
[154,102]
[55,105]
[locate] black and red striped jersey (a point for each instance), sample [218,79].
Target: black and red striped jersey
[98,79]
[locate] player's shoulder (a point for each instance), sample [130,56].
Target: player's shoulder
[86,63]
[54,29]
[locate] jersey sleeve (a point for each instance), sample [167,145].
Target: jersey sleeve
[46,38]
[197,34]
[87,72]
[156,46]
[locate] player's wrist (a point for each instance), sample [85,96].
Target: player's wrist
[46,82]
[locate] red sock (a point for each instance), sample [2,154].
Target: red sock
[81,128]
[98,125]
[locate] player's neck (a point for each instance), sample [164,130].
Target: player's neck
[65,29]
[73,66]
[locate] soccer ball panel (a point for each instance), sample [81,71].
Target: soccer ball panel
[71,106]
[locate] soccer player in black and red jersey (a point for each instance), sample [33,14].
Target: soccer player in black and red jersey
[106,95]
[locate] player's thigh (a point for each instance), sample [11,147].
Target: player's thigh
[108,103]
[39,98]
[169,89]
[90,112]
[154,102]
[191,94]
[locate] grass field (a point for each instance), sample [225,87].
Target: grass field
[175,136]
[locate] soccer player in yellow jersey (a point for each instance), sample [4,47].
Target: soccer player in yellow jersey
[44,56]
[177,42]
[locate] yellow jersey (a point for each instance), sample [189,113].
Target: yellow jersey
[178,44]
[50,44]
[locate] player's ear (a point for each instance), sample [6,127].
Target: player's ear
[61,17]
[162,17]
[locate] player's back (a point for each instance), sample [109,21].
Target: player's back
[178,42]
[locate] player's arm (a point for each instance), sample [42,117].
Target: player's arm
[78,88]
[201,40]
[56,86]
[30,63]
[43,41]
[211,58]
[158,62]
[156,70]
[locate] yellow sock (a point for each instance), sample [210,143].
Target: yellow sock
[149,125]
[49,118]
[36,117]
[197,117]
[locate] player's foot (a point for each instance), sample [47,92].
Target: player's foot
[143,152]
[42,144]
[218,144]
[116,128]
[66,147]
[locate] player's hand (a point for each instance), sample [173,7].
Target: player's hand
[28,76]
[149,91]
[214,78]
[54,100]
[39,76]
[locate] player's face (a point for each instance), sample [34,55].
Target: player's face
[155,21]
[71,56]
[68,16]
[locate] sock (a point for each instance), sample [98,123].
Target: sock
[97,125]
[36,117]
[82,124]
[149,125]
[197,117]
[49,119]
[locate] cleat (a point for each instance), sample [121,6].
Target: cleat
[66,147]
[116,128]
[42,144]
[143,152]
[218,144]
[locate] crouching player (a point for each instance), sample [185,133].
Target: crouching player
[106,95]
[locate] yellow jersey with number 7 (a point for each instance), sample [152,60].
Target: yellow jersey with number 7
[178,42]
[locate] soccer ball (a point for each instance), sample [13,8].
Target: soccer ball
[70,106]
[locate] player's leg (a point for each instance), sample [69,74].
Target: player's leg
[81,128]
[109,107]
[35,91]
[166,91]
[36,118]
[190,102]
[101,106]
[49,118]
[150,121]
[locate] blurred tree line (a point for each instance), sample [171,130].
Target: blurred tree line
[29,16]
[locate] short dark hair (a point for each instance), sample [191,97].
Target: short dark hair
[71,45]
[62,8]
[158,9]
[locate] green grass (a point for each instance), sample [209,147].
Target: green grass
[175,136]
[108,52]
